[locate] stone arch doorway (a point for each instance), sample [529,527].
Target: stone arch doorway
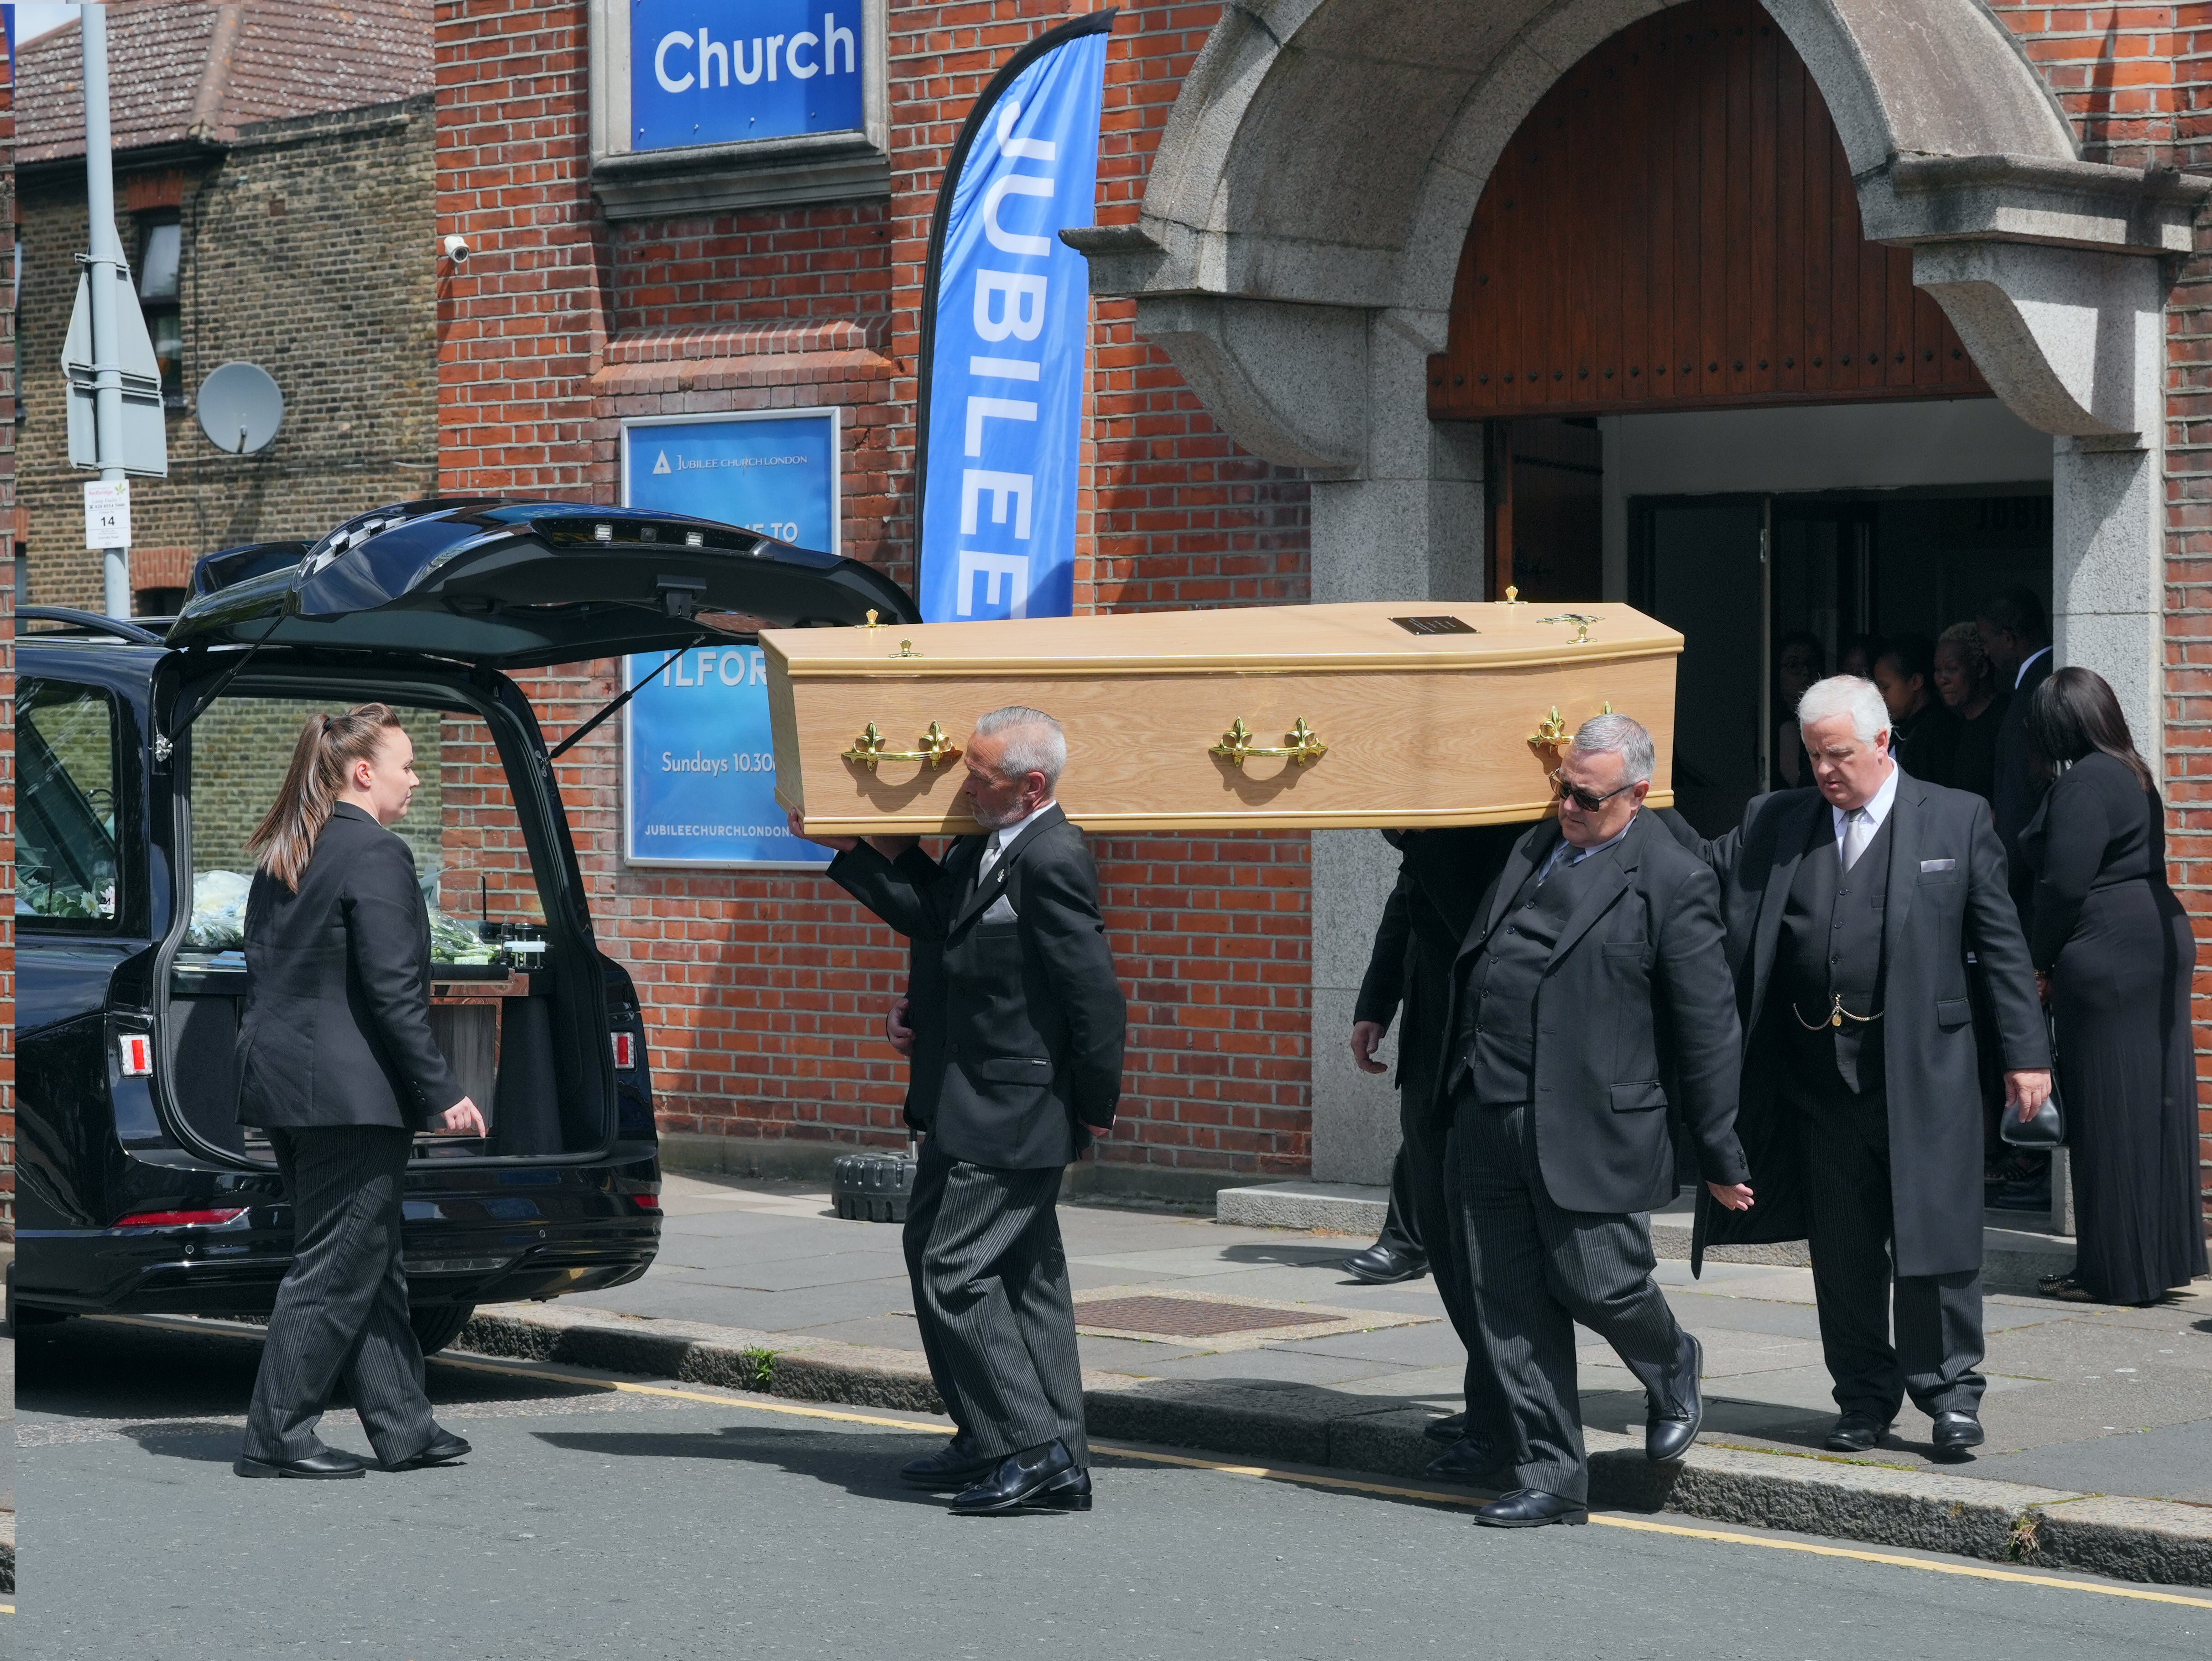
[1295,255]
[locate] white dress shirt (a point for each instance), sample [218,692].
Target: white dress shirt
[2025,664]
[1876,809]
[1001,838]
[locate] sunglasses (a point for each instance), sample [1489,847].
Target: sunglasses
[1582,798]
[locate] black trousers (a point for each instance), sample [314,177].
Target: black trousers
[991,1296]
[1421,1191]
[1533,1269]
[1843,1149]
[341,1314]
[1402,1229]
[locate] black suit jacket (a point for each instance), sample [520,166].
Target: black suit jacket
[1947,898]
[337,1029]
[2018,791]
[1637,991]
[1033,1013]
[1441,876]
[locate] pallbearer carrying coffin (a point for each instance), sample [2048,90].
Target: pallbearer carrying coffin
[1032,1023]
[1596,954]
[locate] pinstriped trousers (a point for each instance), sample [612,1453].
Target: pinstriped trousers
[341,1314]
[1534,1270]
[991,1296]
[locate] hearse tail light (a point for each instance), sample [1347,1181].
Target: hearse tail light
[625,1051]
[138,1055]
[646,1202]
[180,1219]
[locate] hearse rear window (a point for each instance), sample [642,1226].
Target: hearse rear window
[66,868]
[468,851]
[516,1014]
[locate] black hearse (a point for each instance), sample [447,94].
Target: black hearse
[144,756]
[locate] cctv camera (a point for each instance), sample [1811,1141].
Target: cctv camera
[457,249]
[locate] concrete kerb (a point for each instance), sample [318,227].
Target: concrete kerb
[2127,1539]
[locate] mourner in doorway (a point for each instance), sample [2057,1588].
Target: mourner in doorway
[1924,733]
[2118,955]
[1595,960]
[2018,642]
[1852,908]
[1032,1021]
[1969,690]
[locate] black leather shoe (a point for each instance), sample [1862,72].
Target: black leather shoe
[1016,1480]
[1070,1491]
[1679,1411]
[1955,1433]
[1447,1430]
[1467,1460]
[954,1466]
[445,1448]
[1382,1265]
[328,1465]
[1529,1508]
[1856,1433]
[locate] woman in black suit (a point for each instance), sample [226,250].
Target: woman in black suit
[338,1063]
[2117,952]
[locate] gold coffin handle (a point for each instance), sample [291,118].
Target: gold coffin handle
[1300,744]
[938,749]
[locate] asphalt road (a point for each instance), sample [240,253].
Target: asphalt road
[594,1523]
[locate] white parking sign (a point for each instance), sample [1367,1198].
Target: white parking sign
[108,514]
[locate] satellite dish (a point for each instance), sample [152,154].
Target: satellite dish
[240,409]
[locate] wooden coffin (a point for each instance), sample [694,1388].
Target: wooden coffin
[1413,713]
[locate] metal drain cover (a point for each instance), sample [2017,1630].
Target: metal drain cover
[1189,1317]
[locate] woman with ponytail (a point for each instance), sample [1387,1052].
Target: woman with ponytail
[338,1064]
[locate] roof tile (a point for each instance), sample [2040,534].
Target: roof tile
[289,57]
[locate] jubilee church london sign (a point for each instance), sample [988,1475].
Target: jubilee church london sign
[703,73]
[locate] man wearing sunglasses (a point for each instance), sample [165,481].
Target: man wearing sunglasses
[1597,951]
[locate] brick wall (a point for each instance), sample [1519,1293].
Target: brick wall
[2130,77]
[307,248]
[765,992]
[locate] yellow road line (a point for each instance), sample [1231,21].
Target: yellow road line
[1353,1485]
[727,1400]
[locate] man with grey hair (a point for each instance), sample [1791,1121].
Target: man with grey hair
[1854,907]
[1027,1020]
[1595,964]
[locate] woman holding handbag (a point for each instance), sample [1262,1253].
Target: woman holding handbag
[2116,953]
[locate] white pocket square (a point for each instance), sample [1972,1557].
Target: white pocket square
[1939,864]
[1001,911]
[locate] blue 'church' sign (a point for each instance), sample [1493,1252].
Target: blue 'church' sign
[719,71]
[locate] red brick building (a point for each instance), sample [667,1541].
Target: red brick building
[1830,315]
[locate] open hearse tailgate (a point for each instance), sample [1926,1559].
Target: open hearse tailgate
[520,585]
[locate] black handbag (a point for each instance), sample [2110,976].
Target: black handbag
[2048,1128]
